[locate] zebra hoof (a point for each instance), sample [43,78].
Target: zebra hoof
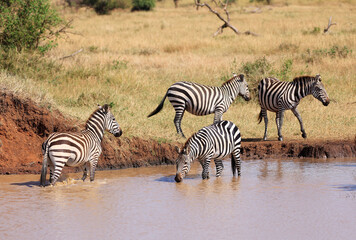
[304,135]
[280,139]
[265,139]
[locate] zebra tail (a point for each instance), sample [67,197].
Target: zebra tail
[260,117]
[44,164]
[159,107]
[233,164]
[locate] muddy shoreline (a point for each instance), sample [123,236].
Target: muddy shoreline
[24,125]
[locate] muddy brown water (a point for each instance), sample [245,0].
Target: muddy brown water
[294,199]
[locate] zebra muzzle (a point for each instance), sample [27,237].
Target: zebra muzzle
[178,177]
[327,101]
[118,134]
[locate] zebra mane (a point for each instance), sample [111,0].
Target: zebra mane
[187,142]
[304,78]
[97,110]
[230,80]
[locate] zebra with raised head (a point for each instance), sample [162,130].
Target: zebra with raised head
[214,142]
[278,96]
[202,100]
[80,149]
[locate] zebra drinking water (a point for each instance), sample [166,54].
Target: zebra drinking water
[203,100]
[78,149]
[278,96]
[212,142]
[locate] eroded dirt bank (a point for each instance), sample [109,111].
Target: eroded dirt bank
[24,125]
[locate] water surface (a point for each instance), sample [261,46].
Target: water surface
[298,199]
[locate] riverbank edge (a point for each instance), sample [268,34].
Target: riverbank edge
[24,125]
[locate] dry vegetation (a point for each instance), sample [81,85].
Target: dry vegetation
[131,58]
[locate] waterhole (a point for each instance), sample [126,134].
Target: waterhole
[294,199]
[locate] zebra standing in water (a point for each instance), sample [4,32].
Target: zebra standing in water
[212,142]
[78,149]
[278,96]
[203,100]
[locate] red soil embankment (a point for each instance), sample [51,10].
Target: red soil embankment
[24,125]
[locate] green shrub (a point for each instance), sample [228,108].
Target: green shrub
[105,6]
[145,5]
[314,31]
[261,68]
[28,24]
[312,56]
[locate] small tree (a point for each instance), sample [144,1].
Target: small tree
[145,5]
[29,24]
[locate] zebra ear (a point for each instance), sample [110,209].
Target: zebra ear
[177,149]
[241,76]
[105,108]
[188,149]
[318,77]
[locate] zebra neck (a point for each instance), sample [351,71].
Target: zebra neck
[231,90]
[95,128]
[302,89]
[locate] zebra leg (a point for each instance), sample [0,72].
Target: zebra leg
[218,116]
[296,113]
[279,122]
[56,173]
[92,166]
[264,114]
[236,161]
[205,173]
[219,167]
[85,172]
[51,171]
[178,119]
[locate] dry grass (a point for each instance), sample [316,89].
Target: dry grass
[131,59]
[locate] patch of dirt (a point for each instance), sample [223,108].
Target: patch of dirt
[24,125]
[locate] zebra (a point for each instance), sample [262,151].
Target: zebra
[202,100]
[278,96]
[216,142]
[80,149]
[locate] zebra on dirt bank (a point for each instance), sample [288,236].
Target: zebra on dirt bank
[202,100]
[213,142]
[80,149]
[277,96]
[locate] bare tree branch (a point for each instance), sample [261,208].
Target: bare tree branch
[329,25]
[71,55]
[226,21]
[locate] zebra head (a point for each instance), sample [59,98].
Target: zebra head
[319,92]
[183,163]
[110,123]
[243,88]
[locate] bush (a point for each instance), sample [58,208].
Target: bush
[28,24]
[261,68]
[146,5]
[105,6]
[315,55]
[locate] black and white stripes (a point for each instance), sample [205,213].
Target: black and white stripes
[278,96]
[213,142]
[80,149]
[203,100]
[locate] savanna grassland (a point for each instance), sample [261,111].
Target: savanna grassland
[129,59]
